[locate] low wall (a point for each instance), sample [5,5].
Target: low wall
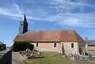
[6,56]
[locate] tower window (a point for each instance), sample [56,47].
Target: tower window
[72,45]
[36,44]
[54,44]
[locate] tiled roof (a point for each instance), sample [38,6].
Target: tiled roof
[49,35]
[91,42]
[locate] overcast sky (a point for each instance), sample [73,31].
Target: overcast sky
[47,15]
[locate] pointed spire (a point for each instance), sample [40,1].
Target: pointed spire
[24,19]
[23,25]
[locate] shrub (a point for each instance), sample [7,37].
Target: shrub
[21,46]
[30,46]
[86,54]
[2,46]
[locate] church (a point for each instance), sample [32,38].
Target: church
[62,41]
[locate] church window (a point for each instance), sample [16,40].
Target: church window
[54,44]
[36,44]
[72,45]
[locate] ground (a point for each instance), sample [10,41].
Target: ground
[17,58]
[53,58]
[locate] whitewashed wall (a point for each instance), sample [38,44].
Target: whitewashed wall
[48,47]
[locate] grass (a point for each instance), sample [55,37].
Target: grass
[93,59]
[52,58]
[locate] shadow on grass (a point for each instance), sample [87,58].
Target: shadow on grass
[35,57]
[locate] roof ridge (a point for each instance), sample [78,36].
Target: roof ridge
[53,30]
[77,35]
[91,40]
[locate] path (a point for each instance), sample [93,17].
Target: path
[17,58]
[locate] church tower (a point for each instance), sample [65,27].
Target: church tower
[23,26]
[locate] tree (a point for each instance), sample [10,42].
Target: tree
[21,46]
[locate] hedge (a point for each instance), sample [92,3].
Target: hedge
[21,46]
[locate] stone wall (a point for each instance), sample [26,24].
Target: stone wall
[69,50]
[6,57]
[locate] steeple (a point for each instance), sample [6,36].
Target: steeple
[23,25]
[24,18]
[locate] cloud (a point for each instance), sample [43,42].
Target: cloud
[9,12]
[65,13]
[72,3]
[65,6]
[16,12]
[74,20]
[18,9]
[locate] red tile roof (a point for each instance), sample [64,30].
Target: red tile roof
[49,35]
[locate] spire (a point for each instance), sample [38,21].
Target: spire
[23,25]
[24,18]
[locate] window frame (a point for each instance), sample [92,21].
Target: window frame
[37,44]
[72,45]
[55,44]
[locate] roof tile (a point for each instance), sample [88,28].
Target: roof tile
[49,35]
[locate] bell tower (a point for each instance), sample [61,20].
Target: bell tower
[23,25]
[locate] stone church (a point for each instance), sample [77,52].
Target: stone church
[62,41]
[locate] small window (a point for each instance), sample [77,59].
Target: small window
[36,44]
[72,45]
[54,44]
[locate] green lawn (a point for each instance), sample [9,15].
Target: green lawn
[53,58]
[93,59]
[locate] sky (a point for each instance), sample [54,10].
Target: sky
[47,15]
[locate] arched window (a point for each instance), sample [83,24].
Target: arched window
[72,45]
[80,50]
[37,44]
[54,44]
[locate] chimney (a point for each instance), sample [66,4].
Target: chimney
[86,38]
